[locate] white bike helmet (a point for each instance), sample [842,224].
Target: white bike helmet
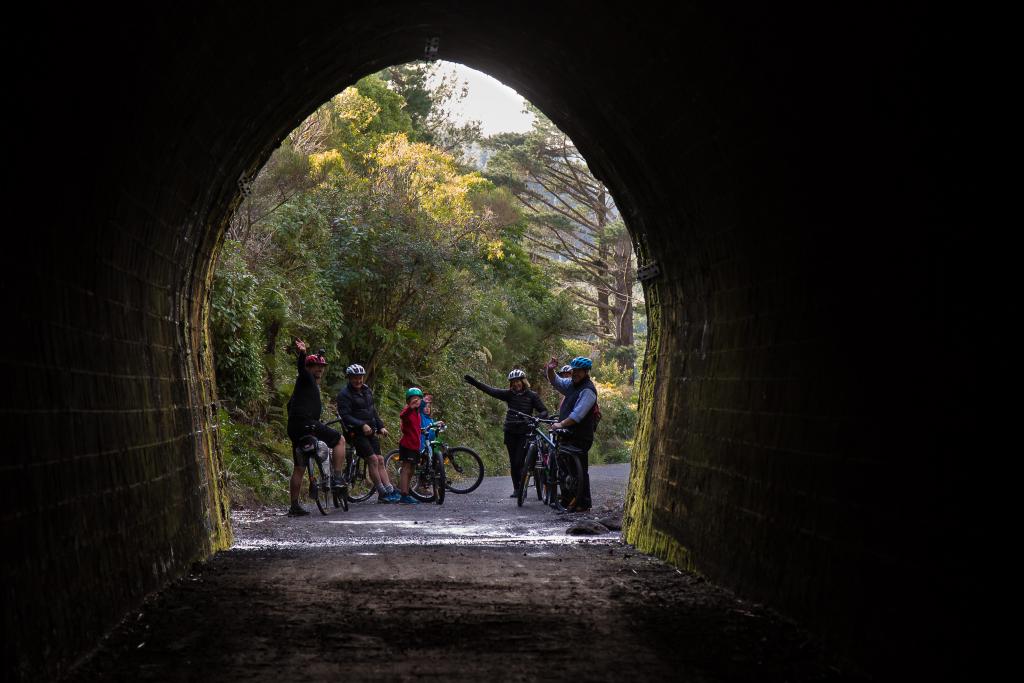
[354,369]
[516,374]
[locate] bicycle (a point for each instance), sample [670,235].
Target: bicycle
[359,485]
[463,468]
[428,483]
[318,469]
[560,470]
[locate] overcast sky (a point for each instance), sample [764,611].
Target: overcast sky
[497,106]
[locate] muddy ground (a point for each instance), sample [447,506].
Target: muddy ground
[475,589]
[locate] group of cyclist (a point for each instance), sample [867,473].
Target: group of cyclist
[576,414]
[358,416]
[362,424]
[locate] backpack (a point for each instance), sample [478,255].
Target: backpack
[595,413]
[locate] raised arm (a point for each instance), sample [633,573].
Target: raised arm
[560,384]
[549,370]
[500,394]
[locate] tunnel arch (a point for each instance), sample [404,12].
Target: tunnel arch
[751,162]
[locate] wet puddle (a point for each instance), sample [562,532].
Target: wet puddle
[560,539]
[406,532]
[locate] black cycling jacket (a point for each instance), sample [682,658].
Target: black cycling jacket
[526,401]
[355,408]
[304,406]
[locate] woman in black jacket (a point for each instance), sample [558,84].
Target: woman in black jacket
[519,397]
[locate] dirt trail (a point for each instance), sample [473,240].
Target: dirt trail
[474,589]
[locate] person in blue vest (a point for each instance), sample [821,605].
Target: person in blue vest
[576,413]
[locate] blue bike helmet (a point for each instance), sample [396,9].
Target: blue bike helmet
[580,363]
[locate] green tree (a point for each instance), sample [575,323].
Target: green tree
[430,97]
[575,227]
[363,238]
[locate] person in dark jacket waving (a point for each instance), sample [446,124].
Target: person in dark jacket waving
[519,397]
[304,408]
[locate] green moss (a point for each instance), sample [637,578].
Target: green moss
[637,523]
[219,502]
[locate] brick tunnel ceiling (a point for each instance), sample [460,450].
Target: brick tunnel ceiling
[743,151]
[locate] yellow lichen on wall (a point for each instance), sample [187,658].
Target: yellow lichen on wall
[637,523]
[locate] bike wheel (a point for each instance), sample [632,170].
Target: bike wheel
[420,486]
[550,480]
[360,486]
[440,483]
[524,479]
[463,470]
[340,499]
[538,470]
[319,485]
[569,478]
[393,465]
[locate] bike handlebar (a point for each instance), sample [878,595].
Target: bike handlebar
[531,418]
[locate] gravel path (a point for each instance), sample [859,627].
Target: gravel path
[475,589]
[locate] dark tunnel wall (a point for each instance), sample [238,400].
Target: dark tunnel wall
[779,169]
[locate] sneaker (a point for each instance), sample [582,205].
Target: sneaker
[394,497]
[297,510]
[408,500]
[384,499]
[514,495]
[337,482]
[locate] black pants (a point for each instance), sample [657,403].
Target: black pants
[583,500]
[516,445]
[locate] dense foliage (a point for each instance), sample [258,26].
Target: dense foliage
[366,236]
[575,227]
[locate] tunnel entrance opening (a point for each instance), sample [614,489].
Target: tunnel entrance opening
[373,215]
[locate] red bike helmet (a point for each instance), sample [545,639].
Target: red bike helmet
[315,359]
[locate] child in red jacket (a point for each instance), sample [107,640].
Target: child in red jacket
[409,446]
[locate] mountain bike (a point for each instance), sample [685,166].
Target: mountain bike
[558,475]
[427,483]
[463,468]
[360,486]
[318,470]
[538,448]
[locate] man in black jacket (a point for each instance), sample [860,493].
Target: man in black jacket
[304,409]
[518,397]
[359,415]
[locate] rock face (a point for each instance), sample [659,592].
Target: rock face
[587,527]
